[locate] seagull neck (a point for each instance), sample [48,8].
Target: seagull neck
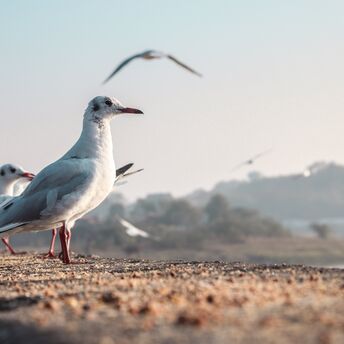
[95,140]
[6,188]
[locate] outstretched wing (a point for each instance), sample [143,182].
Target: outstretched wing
[183,65]
[131,230]
[237,167]
[121,65]
[260,154]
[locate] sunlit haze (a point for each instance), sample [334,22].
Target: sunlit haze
[273,77]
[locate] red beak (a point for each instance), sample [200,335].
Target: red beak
[28,175]
[131,110]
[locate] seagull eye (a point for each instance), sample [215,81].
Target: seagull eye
[13,170]
[2,172]
[108,102]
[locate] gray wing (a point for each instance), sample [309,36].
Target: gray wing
[4,199]
[183,65]
[58,174]
[121,65]
[48,187]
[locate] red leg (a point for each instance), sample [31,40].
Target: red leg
[6,241]
[51,254]
[64,233]
[69,237]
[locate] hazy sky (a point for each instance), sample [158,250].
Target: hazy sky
[273,77]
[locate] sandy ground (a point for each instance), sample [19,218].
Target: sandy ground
[102,300]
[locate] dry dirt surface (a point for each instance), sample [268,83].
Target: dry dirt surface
[101,300]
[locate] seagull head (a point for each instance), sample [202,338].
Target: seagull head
[11,173]
[106,107]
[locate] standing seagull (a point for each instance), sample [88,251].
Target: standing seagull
[72,186]
[150,55]
[10,175]
[250,161]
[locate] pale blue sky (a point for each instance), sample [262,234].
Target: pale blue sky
[273,77]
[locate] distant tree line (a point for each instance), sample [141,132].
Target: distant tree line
[172,224]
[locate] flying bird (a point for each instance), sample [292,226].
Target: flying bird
[75,184]
[10,176]
[251,160]
[150,55]
[131,230]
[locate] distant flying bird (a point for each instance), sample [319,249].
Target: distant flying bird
[250,161]
[131,230]
[150,55]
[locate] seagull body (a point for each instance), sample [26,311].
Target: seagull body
[150,55]
[120,173]
[72,186]
[131,230]
[10,176]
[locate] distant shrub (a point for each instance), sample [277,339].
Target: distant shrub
[323,231]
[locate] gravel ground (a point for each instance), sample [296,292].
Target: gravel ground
[106,301]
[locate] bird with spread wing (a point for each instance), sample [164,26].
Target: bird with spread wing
[251,160]
[150,55]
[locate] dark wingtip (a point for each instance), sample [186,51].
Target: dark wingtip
[124,169]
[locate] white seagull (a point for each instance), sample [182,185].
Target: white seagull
[72,186]
[150,55]
[131,230]
[10,176]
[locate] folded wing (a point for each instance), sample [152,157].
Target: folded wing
[53,183]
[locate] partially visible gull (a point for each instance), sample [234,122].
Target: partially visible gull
[10,176]
[150,55]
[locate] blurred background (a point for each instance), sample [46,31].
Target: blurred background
[273,78]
